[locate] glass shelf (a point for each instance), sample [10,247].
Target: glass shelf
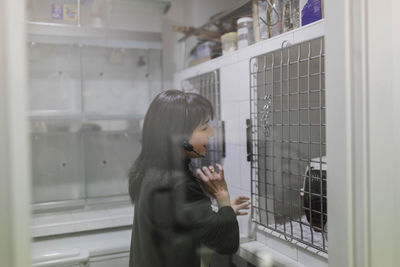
[87,105]
[59,115]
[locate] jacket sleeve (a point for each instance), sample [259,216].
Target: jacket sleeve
[217,230]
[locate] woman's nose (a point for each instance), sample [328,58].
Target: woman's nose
[211,131]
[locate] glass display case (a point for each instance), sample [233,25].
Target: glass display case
[87,105]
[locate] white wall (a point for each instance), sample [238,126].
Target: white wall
[197,12]
[136,16]
[363,130]
[185,13]
[172,50]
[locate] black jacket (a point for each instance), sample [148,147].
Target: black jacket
[173,218]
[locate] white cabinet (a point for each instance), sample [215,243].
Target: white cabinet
[107,249]
[235,109]
[43,256]
[83,260]
[114,260]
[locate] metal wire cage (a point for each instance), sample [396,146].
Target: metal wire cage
[208,85]
[287,143]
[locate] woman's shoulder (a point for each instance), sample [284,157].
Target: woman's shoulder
[192,187]
[188,180]
[184,183]
[171,179]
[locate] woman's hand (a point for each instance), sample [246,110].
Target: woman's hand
[240,203]
[214,182]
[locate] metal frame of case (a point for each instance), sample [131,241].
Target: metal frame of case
[287,143]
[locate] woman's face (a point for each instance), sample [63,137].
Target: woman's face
[199,139]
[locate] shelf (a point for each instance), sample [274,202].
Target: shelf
[236,11]
[89,219]
[60,115]
[73,34]
[301,34]
[165,5]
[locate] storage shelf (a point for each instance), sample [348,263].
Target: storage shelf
[60,115]
[236,10]
[74,34]
[92,218]
[301,34]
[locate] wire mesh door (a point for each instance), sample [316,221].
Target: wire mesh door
[287,143]
[207,85]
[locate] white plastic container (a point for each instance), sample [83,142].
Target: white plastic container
[245,32]
[229,42]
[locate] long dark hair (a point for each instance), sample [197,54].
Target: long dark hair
[164,131]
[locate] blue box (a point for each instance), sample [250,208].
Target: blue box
[312,11]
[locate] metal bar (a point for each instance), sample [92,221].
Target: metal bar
[297,159]
[265,137]
[251,162]
[79,13]
[296,238]
[296,142]
[309,139]
[255,146]
[320,147]
[272,137]
[298,130]
[289,161]
[282,178]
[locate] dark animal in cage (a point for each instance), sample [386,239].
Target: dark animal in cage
[313,194]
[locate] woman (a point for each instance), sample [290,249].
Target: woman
[173,216]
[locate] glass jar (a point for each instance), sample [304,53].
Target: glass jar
[245,32]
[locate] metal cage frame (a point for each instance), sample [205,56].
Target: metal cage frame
[286,143]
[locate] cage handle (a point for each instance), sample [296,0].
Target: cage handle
[249,143]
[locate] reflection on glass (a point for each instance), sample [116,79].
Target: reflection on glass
[57,164]
[53,11]
[109,73]
[109,150]
[54,77]
[87,104]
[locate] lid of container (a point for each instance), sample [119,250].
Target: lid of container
[229,35]
[244,19]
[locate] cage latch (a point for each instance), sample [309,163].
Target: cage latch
[249,143]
